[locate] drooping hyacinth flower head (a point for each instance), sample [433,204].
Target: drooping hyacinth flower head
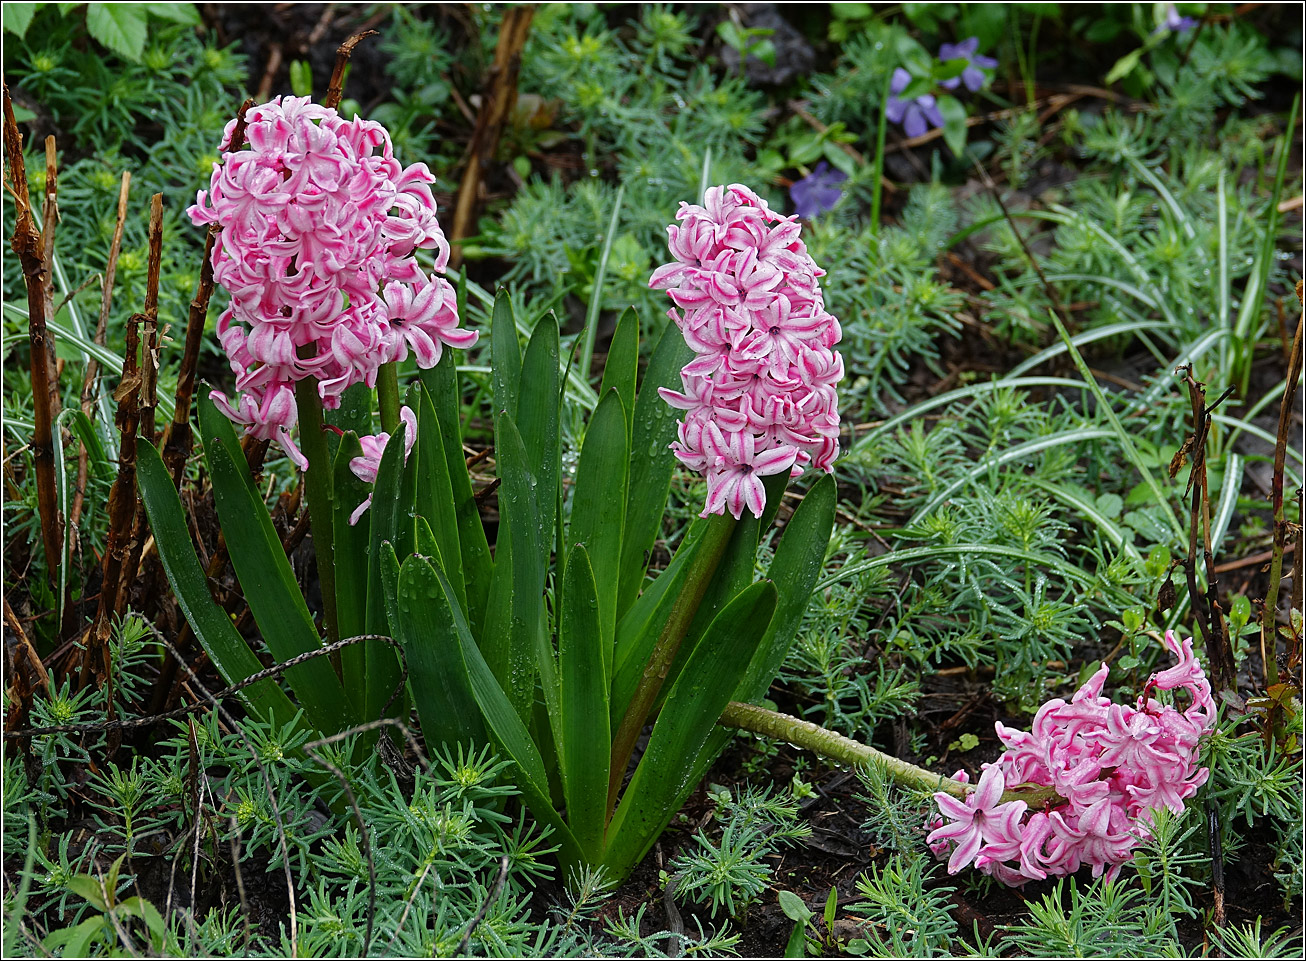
[320,224]
[759,396]
[1113,764]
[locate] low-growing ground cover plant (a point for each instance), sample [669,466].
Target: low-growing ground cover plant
[1062,438]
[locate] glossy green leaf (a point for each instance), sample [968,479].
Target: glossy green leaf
[664,778]
[598,507]
[621,369]
[423,625]
[585,744]
[392,519]
[270,588]
[538,400]
[651,462]
[211,624]
[504,723]
[505,356]
[435,498]
[514,618]
[351,545]
[441,381]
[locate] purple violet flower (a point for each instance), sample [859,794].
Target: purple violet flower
[1177,24]
[973,76]
[916,116]
[818,192]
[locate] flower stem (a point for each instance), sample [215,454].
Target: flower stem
[317,485]
[702,566]
[836,747]
[387,392]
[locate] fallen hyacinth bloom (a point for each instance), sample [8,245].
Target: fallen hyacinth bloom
[759,396]
[1110,764]
[319,227]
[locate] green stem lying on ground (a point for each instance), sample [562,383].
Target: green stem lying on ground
[702,567]
[836,747]
[317,485]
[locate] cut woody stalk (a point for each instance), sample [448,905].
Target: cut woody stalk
[28,245]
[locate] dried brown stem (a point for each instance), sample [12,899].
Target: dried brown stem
[23,669]
[90,383]
[150,331]
[1206,608]
[122,510]
[496,108]
[336,89]
[1281,525]
[27,243]
[177,437]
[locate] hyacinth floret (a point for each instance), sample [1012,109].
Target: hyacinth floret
[1110,764]
[759,396]
[319,229]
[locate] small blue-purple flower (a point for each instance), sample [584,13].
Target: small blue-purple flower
[916,116]
[1176,23]
[818,192]
[973,76]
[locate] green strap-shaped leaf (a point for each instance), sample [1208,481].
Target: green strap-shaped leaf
[351,546]
[638,630]
[435,498]
[537,417]
[392,522]
[598,508]
[211,624]
[506,727]
[794,570]
[664,777]
[423,625]
[505,356]
[651,462]
[515,616]
[621,369]
[270,589]
[585,744]
[733,574]
[442,383]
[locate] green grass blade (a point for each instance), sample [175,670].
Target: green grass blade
[211,624]
[1007,455]
[1126,441]
[596,295]
[1077,500]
